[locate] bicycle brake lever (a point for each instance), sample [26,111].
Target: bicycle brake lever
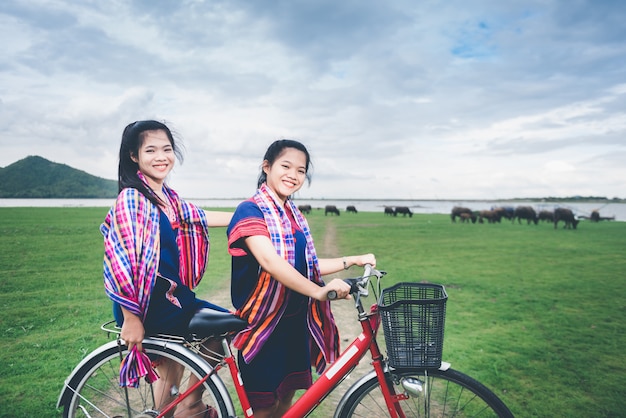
[363,290]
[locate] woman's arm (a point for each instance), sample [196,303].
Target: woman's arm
[218,218]
[262,249]
[333,265]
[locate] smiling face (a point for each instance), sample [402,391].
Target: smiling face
[155,157]
[287,174]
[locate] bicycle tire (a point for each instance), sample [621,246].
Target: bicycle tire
[94,390]
[444,393]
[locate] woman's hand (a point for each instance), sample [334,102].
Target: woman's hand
[132,330]
[341,288]
[361,260]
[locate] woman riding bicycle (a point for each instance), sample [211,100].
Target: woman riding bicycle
[277,286]
[155,252]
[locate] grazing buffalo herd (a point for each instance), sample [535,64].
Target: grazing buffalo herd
[519,214]
[402,210]
[332,209]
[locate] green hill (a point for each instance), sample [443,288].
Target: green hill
[36,177]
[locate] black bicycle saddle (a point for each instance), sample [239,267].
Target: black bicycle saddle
[210,323]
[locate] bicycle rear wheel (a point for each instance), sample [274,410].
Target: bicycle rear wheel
[430,393]
[94,391]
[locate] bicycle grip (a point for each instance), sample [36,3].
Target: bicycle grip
[367,270]
[332,295]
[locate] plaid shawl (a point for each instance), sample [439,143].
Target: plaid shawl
[132,253]
[132,247]
[265,305]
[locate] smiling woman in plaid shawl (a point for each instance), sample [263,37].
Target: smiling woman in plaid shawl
[277,286]
[156,247]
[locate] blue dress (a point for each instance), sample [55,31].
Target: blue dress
[172,304]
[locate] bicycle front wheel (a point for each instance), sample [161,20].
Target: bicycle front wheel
[426,393]
[94,390]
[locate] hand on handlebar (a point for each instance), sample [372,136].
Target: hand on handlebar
[336,289]
[363,259]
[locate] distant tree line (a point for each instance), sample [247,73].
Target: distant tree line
[552,199]
[580,198]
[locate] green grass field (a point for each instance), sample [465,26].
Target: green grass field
[536,314]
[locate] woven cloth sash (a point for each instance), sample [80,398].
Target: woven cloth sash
[263,319]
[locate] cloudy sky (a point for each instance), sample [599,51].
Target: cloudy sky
[458,99]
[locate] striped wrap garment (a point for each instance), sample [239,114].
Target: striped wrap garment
[266,304]
[132,253]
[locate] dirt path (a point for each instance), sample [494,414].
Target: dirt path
[343,311]
[346,318]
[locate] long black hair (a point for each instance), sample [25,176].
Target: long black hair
[276,150]
[132,139]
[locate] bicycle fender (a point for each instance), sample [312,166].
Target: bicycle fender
[366,378]
[353,388]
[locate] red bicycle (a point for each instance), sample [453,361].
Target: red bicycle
[410,381]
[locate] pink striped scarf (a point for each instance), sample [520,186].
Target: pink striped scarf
[132,252]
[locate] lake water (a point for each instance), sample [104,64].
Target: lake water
[617,210]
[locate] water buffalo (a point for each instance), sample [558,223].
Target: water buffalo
[305,208]
[491,215]
[567,216]
[389,211]
[351,209]
[457,211]
[504,212]
[332,209]
[546,215]
[404,210]
[525,212]
[466,217]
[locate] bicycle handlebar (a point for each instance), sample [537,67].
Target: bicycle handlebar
[353,282]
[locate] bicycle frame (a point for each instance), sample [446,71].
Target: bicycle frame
[341,368]
[322,387]
[328,381]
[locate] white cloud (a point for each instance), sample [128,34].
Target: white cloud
[402,99]
[557,167]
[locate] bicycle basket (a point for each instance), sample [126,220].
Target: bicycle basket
[413,316]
